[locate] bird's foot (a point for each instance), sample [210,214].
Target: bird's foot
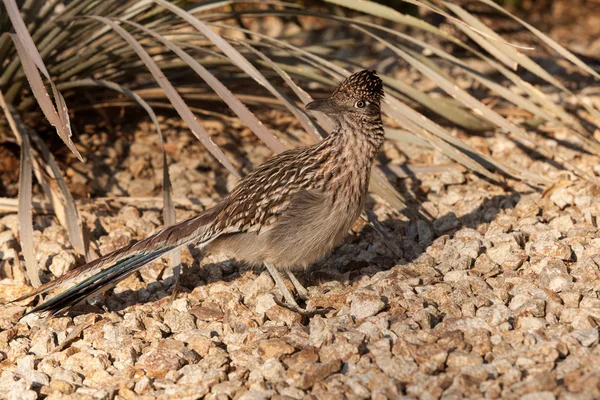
[302,311]
[290,302]
[301,291]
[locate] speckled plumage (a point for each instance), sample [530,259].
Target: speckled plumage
[288,213]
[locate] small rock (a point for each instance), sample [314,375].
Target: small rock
[400,368]
[586,270]
[529,323]
[424,231]
[452,176]
[456,276]
[42,342]
[143,385]
[262,284]
[562,223]
[195,340]
[365,303]
[571,299]
[555,277]
[312,373]
[446,222]
[226,388]
[459,359]
[274,348]
[495,315]
[587,337]
[562,197]
[273,371]
[258,395]
[451,198]
[486,267]
[507,255]
[25,368]
[61,386]
[549,249]
[479,373]
[167,356]
[264,302]
[539,396]
[179,321]
[86,363]
[526,207]
[62,263]
[207,312]
[522,302]
[141,187]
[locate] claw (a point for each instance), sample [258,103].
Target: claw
[302,311]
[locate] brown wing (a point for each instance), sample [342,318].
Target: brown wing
[259,198]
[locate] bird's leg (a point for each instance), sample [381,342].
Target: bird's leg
[301,290]
[282,288]
[289,303]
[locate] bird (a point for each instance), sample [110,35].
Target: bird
[285,215]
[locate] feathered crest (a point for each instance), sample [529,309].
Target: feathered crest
[364,84]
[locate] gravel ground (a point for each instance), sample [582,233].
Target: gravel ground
[499,299]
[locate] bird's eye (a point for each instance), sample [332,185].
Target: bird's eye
[360,104]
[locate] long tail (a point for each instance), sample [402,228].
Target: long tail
[105,272]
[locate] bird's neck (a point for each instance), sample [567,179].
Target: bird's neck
[350,151]
[361,138]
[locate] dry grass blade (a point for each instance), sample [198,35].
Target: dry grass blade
[56,189]
[430,6]
[63,202]
[450,110]
[174,97]
[555,46]
[382,11]
[10,205]
[60,119]
[406,136]
[135,9]
[241,62]
[382,187]
[169,207]
[302,95]
[481,40]
[309,57]
[418,119]
[410,119]
[500,50]
[153,104]
[25,194]
[481,109]
[32,65]
[25,215]
[229,98]
[537,96]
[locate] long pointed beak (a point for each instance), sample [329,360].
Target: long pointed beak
[324,105]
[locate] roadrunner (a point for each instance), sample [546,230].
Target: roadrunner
[288,213]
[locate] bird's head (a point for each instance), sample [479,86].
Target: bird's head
[360,95]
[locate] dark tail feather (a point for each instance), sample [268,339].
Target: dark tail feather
[103,273]
[97,283]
